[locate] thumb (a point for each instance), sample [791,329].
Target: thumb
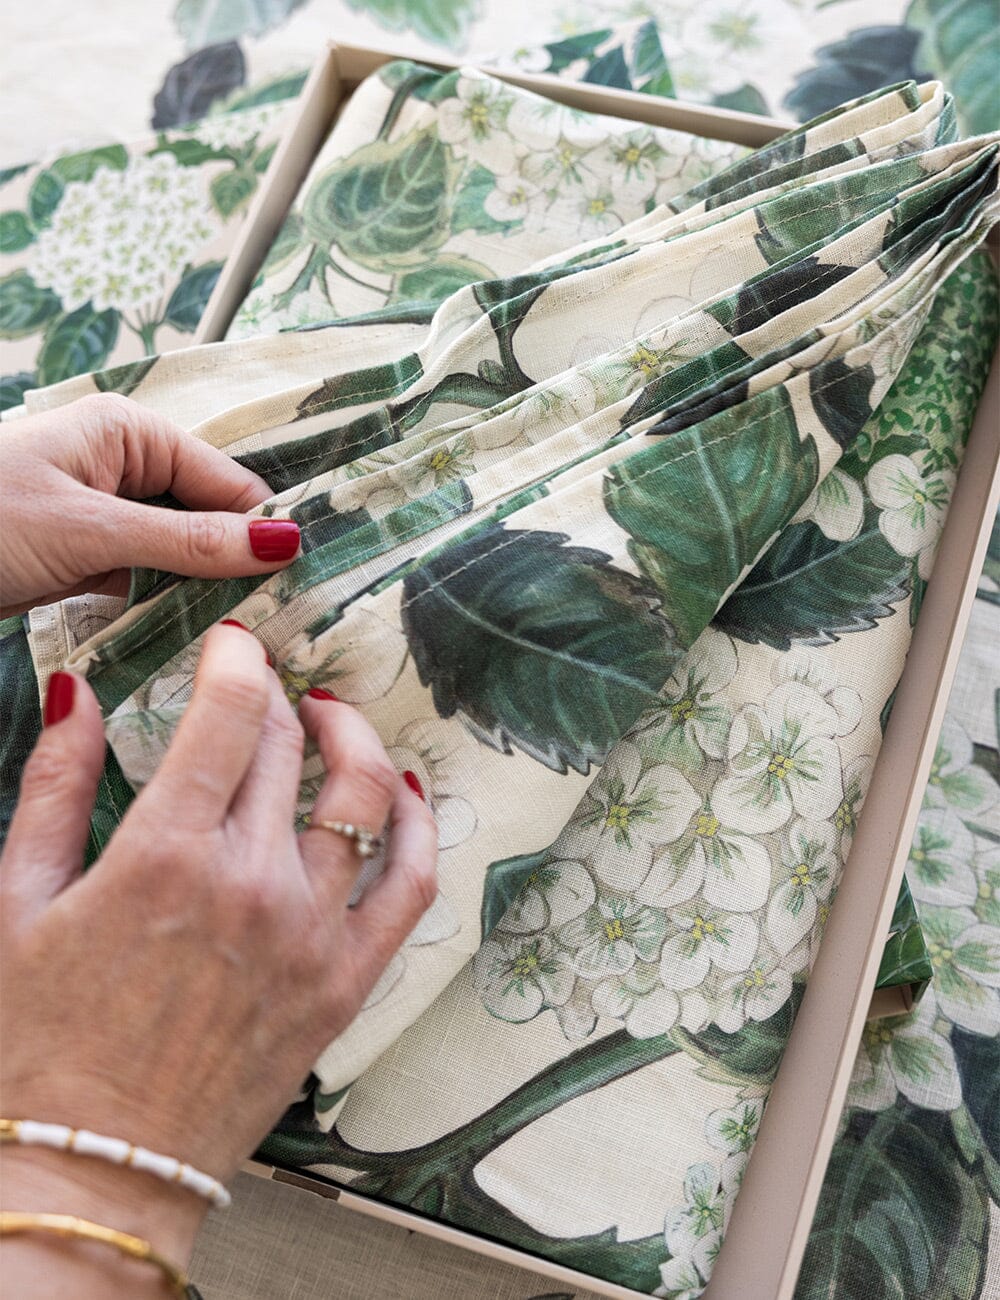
[49,829]
[196,543]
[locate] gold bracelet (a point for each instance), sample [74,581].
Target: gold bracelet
[68,1225]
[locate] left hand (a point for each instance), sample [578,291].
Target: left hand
[73,480]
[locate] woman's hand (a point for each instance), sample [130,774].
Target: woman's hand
[177,994]
[72,481]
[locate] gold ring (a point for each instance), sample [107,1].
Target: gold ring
[365,842]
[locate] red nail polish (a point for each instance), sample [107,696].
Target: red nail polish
[274,539]
[412,781]
[59,698]
[318,693]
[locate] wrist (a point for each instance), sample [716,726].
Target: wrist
[37,1179]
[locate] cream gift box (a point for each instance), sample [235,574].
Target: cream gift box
[767,1233]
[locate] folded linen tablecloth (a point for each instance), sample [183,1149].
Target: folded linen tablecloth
[518,535]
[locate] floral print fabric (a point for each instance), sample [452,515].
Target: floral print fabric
[685,896]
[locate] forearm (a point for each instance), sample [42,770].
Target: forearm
[40,1267]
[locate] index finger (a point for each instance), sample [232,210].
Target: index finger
[218,735]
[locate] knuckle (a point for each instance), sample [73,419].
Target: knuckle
[48,773]
[254,899]
[238,693]
[288,734]
[205,536]
[108,410]
[421,877]
[375,780]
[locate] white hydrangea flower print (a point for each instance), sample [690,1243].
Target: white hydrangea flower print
[857,777]
[909,1055]
[913,498]
[610,937]
[117,239]
[704,938]
[685,1276]
[693,1234]
[732,870]
[475,122]
[836,506]
[515,196]
[436,755]
[596,209]
[966,957]
[237,128]
[939,865]
[734,1130]
[696,718]
[757,992]
[554,893]
[783,759]
[987,868]
[954,780]
[639,1000]
[518,975]
[628,809]
[535,122]
[809,862]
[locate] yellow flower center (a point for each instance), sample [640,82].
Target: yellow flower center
[632,154]
[566,156]
[295,685]
[920,497]
[479,114]
[800,876]
[706,825]
[614,930]
[984,890]
[701,927]
[939,953]
[843,818]
[780,765]
[683,710]
[918,855]
[525,965]
[875,1034]
[646,360]
[617,816]
[824,912]
[518,196]
[441,460]
[596,206]
[755,979]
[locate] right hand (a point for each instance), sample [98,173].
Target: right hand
[177,994]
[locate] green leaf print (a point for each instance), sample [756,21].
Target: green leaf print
[902,1213]
[189,298]
[24,306]
[207,22]
[440,278]
[83,166]
[504,881]
[77,342]
[467,210]
[537,644]
[812,589]
[445,22]
[230,190]
[386,205]
[960,43]
[905,959]
[700,518]
[16,232]
[13,387]
[124,379]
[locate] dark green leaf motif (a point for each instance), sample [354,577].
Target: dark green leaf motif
[188,300]
[504,881]
[960,43]
[698,519]
[443,276]
[444,22]
[230,190]
[903,1216]
[15,232]
[24,306]
[203,22]
[812,589]
[536,644]
[77,342]
[124,379]
[386,205]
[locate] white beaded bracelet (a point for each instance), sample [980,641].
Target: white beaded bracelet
[81,1141]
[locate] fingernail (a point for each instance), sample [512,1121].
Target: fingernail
[411,780]
[318,693]
[232,622]
[59,698]
[274,539]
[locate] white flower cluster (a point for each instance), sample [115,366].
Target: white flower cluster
[693,881]
[565,169]
[693,1231]
[239,127]
[954,874]
[117,239]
